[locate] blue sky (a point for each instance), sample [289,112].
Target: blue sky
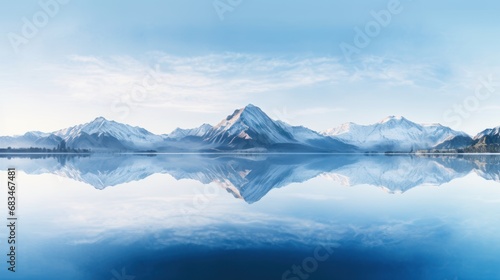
[163,64]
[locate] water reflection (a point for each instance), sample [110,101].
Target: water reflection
[151,226]
[251,177]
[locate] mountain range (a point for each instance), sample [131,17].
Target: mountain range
[249,129]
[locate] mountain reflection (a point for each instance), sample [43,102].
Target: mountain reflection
[251,177]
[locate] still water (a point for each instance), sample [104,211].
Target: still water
[293,217]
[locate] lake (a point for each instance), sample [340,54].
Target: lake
[224,216]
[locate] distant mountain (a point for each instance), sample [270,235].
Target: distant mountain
[109,135]
[180,133]
[492,134]
[97,135]
[249,129]
[30,139]
[393,134]
[487,141]
[455,143]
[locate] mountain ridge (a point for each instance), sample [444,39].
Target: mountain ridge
[393,133]
[249,129]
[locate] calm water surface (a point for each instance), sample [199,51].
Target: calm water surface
[277,217]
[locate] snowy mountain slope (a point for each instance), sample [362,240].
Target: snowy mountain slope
[250,127]
[487,141]
[492,133]
[30,139]
[101,133]
[393,134]
[50,140]
[300,133]
[457,142]
[180,133]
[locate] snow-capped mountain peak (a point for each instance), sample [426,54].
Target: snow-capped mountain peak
[432,124]
[250,114]
[393,118]
[248,123]
[103,127]
[393,133]
[250,129]
[398,121]
[488,132]
[36,134]
[343,128]
[180,133]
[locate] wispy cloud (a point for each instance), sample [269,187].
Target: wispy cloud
[184,82]
[204,83]
[291,116]
[395,72]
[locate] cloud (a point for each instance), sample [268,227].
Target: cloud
[205,83]
[291,116]
[395,72]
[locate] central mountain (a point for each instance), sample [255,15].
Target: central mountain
[249,128]
[246,127]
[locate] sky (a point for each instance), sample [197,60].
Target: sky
[318,63]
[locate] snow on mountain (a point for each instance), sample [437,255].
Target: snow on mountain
[394,133]
[35,135]
[300,133]
[344,128]
[249,123]
[30,139]
[180,133]
[487,141]
[48,141]
[101,131]
[457,142]
[250,128]
[491,132]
